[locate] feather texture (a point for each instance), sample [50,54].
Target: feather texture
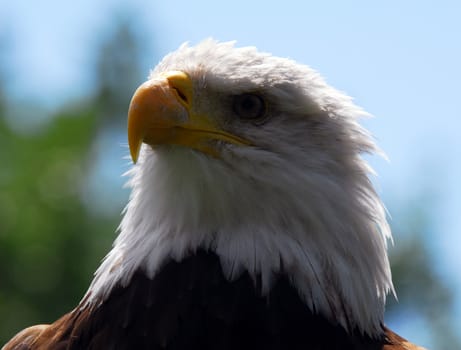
[182,308]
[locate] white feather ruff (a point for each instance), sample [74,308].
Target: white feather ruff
[300,200]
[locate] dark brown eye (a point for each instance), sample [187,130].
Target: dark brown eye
[249,106]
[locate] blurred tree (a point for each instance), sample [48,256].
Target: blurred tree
[45,253]
[117,71]
[50,241]
[4,49]
[422,292]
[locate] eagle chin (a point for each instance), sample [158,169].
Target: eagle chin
[251,224]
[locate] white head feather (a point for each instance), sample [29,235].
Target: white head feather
[300,199]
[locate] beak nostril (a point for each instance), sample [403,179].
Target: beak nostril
[181,84]
[181,95]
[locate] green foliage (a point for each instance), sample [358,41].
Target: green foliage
[46,256]
[422,292]
[50,241]
[118,71]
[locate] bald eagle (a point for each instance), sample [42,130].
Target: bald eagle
[252,223]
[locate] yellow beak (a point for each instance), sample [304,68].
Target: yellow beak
[160,113]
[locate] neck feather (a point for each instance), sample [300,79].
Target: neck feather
[329,234]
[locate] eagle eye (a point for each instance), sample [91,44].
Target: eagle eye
[249,106]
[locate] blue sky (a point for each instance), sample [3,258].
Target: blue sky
[400,60]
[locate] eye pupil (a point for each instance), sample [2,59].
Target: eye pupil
[249,103]
[249,106]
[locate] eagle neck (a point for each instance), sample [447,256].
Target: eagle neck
[182,201]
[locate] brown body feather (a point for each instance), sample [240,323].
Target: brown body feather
[191,305]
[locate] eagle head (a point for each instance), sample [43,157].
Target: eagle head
[258,159]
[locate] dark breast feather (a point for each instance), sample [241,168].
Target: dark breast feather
[191,305]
